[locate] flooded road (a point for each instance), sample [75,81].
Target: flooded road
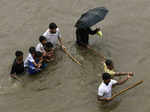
[65,86]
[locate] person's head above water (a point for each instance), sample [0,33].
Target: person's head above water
[52,27]
[19,56]
[32,51]
[109,64]
[18,53]
[106,78]
[42,39]
[38,55]
[48,46]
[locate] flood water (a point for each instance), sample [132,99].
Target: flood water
[65,86]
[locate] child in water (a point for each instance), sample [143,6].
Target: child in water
[18,65]
[49,51]
[41,44]
[30,62]
[109,68]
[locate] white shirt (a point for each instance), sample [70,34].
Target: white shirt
[53,38]
[40,48]
[29,58]
[106,90]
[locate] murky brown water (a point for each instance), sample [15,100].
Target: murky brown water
[65,86]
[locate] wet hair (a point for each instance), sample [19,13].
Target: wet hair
[49,45]
[52,25]
[18,53]
[108,62]
[32,50]
[106,76]
[38,54]
[42,38]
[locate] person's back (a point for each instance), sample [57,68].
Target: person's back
[82,35]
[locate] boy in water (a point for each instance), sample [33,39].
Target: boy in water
[109,68]
[18,65]
[30,63]
[39,59]
[40,46]
[49,51]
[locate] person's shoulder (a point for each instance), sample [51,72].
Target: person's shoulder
[46,32]
[14,62]
[113,81]
[39,44]
[29,56]
[57,29]
[101,86]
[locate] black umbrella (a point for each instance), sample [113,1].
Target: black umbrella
[91,17]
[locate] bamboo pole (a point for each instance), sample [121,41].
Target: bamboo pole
[124,90]
[75,60]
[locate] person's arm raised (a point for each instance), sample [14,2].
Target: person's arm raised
[124,73]
[122,81]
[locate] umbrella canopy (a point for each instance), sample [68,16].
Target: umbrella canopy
[91,17]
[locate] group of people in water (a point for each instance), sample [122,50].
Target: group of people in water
[44,52]
[40,55]
[105,88]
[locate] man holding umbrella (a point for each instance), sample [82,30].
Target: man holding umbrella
[82,35]
[87,20]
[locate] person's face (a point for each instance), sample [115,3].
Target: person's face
[107,81]
[53,30]
[19,59]
[40,58]
[33,55]
[44,42]
[111,67]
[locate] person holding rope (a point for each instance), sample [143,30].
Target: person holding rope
[53,35]
[109,68]
[105,88]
